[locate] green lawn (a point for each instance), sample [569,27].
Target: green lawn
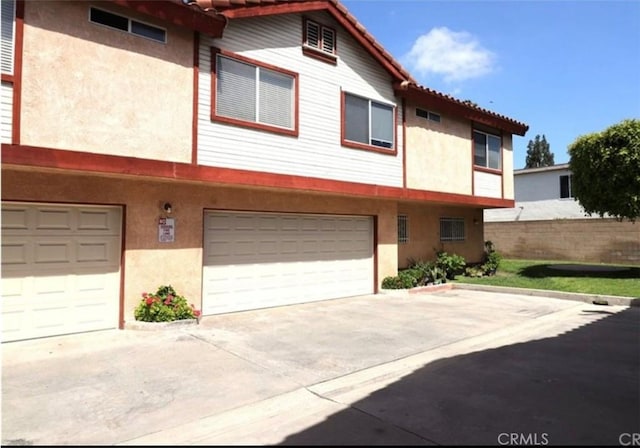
[537,274]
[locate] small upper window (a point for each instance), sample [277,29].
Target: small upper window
[427,115]
[565,186]
[128,25]
[321,39]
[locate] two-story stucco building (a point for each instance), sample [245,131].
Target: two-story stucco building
[548,223]
[251,154]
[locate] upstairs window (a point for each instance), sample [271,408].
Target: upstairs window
[253,94]
[403,229]
[427,115]
[128,25]
[451,229]
[319,41]
[8,31]
[368,123]
[486,150]
[565,186]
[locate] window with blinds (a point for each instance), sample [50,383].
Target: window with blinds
[368,122]
[451,229]
[253,94]
[8,35]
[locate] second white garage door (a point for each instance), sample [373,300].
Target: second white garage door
[259,260]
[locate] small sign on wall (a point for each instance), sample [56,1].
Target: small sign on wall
[166,230]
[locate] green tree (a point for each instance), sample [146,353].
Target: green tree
[538,153]
[606,171]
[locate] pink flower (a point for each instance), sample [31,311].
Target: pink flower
[196,313]
[167,301]
[169,297]
[144,295]
[149,301]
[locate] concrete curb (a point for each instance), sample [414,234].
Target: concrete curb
[577,297]
[159,326]
[416,290]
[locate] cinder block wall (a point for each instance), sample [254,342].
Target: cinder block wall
[589,240]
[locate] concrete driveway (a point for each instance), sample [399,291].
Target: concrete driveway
[449,368]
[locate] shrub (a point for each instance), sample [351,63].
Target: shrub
[164,305]
[404,280]
[451,264]
[491,260]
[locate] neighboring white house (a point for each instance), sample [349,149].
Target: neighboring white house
[541,194]
[547,223]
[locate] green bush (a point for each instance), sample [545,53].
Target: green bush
[165,305]
[451,264]
[491,263]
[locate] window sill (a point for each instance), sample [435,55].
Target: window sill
[362,146]
[487,170]
[258,126]
[320,55]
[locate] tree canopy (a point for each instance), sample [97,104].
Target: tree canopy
[606,171]
[538,153]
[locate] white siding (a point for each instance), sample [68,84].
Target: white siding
[487,184]
[539,186]
[537,196]
[317,151]
[6,98]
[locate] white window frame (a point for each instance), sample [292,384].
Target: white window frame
[452,229]
[403,229]
[258,66]
[569,189]
[370,144]
[129,25]
[486,150]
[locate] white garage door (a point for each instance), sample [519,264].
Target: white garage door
[60,269]
[257,260]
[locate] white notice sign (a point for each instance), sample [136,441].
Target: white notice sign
[166,230]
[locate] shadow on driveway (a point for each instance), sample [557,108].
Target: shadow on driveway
[578,388]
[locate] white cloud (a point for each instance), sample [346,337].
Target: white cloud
[456,56]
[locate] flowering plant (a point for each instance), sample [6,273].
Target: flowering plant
[164,305]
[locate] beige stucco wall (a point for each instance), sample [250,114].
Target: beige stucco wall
[424,233]
[148,263]
[588,240]
[438,154]
[87,87]
[507,166]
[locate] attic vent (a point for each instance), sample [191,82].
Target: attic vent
[313,34]
[319,37]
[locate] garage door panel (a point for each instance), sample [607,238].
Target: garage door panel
[255,260]
[60,269]
[53,219]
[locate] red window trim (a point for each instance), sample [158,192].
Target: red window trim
[250,124]
[357,145]
[315,52]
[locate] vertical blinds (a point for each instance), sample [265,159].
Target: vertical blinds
[8,26]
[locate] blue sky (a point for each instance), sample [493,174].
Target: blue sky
[565,68]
